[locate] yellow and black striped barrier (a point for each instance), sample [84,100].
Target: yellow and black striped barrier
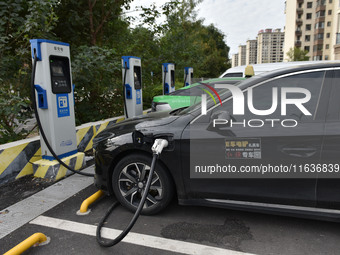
[18,158]
[53,170]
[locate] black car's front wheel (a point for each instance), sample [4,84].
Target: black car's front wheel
[129,179]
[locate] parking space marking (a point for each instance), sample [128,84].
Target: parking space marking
[24,211]
[134,238]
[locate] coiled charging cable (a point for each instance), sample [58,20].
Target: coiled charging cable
[157,148]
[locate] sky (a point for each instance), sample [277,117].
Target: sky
[239,20]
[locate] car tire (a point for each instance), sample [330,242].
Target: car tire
[133,170]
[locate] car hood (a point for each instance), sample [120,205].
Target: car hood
[161,98]
[154,119]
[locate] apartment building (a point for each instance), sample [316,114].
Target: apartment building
[336,31]
[242,49]
[313,25]
[251,52]
[234,60]
[266,48]
[270,46]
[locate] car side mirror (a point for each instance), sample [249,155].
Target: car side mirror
[225,117]
[220,115]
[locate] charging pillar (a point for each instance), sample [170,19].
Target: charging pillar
[132,81]
[188,75]
[55,106]
[168,77]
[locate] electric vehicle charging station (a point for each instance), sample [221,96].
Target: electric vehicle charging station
[188,75]
[168,78]
[132,81]
[55,102]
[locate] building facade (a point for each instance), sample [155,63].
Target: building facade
[251,52]
[266,48]
[270,46]
[336,31]
[242,49]
[234,60]
[313,25]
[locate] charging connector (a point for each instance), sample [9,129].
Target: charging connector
[159,145]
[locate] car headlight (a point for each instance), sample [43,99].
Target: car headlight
[101,137]
[160,106]
[109,142]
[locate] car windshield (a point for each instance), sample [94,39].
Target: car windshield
[197,89]
[223,93]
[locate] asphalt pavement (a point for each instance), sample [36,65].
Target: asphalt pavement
[177,230]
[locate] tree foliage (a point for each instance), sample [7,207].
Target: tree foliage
[99,33]
[297,54]
[94,72]
[19,22]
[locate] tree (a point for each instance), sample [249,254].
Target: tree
[297,54]
[214,51]
[89,22]
[19,22]
[186,41]
[99,34]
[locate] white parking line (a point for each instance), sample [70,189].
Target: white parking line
[134,238]
[24,211]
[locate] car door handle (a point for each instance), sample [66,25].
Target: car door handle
[305,152]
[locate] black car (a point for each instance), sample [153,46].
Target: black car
[274,147]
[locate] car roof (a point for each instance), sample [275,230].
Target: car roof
[304,66]
[266,67]
[288,70]
[279,72]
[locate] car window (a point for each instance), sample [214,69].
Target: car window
[197,90]
[233,75]
[263,99]
[334,102]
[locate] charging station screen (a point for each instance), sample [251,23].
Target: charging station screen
[137,77]
[57,70]
[60,74]
[172,78]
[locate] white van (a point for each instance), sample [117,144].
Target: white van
[239,71]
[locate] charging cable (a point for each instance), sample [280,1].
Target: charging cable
[157,149]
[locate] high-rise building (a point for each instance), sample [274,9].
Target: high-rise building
[251,52]
[270,46]
[242,55]
[234,60]
[336,30]
[313,25]
[266,48]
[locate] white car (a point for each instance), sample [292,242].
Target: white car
[239,71]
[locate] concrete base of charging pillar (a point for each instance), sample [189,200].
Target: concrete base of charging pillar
[53,170]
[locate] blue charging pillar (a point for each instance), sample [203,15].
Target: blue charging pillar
[188,75]
[55,103]
[132,79]
[168,78]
